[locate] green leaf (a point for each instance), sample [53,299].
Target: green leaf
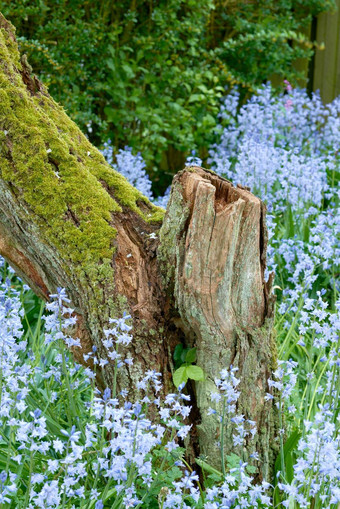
[208,468]
[288,450]
[180,376]
[233,460]
[178,351]
[195,373]
[203,89]
[111,113]
[251,469]
[191,355]
[111,65]
[196,98]
[289,465]
[209,120]
[183,355]
[289,222]
[128,71]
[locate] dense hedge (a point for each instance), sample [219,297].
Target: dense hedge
[150,73]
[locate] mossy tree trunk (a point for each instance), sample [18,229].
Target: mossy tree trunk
[193,275]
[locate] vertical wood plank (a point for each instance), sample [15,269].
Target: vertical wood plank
[301,64]
[319,54]
[327,61]
[337,63]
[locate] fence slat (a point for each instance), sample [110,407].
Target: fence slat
[327,62]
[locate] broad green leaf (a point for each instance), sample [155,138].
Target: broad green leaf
[202,88]
[128,71]
[111,65]
[196,98]
[183,355]
[180,376]
[178,351]
[288,449]
[195,373]
[191,355]
[233,460]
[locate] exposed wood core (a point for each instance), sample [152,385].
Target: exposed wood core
[214,258]
[22,265]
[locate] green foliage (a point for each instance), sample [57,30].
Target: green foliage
[182,355]
[185,357]
[63,391]
[150,75]
[288,460]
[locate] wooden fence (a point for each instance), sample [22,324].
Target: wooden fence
[324,73]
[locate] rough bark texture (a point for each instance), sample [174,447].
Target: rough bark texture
[67,219]
[213,250]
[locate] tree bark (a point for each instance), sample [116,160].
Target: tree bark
[213,244]
[194,275]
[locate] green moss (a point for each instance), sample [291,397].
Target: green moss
[71,191]
[156,216]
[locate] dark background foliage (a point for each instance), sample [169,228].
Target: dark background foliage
[150,73]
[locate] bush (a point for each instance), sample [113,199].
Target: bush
[150,74]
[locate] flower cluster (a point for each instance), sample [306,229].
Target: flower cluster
[317,470]
[72,450]
[286,149]
[282,153]
[237,487]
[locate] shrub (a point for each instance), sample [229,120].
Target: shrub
[150,75]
